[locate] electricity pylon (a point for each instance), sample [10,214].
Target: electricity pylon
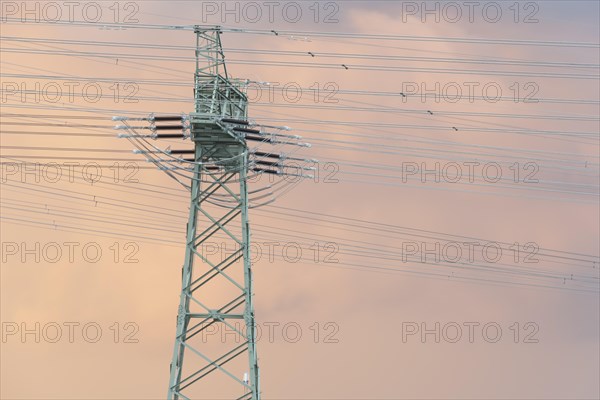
[217,292]
[216,98]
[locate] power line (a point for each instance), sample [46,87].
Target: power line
[284,33]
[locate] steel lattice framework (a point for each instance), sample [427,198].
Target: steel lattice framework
[215,321]
[216,98]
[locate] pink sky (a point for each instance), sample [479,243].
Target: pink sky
[368,309]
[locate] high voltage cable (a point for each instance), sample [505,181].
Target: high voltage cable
[82,149]
[370,225]
[455,266]
[529,157]
[326,106]
[374,144]
[371,182]
[434,127]
[505,265]
[311,33]
[312,54]
[393,255]
[467,128]
[346,109]
[370,124]
[418,38]
[367,246]
[445,188]
[359,67]
[180,83]
[369,268]
[520,271]
[540,185]
[448,187]
[358,165]
[387,137]
[402,137]
[96,199]
[338,161]
[125,56]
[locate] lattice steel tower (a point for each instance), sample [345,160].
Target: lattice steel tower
[216,98]
[215,321]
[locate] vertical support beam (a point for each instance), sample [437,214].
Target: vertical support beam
[249,309]
[186,280]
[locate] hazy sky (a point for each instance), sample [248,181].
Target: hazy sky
[347,320]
